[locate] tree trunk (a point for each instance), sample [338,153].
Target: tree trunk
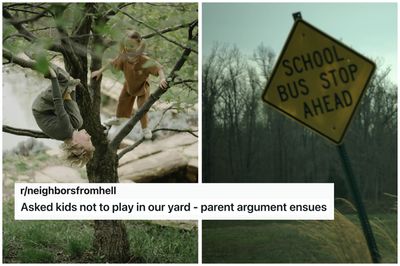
[110,237]
[111,240]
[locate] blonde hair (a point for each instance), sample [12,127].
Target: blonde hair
[134,34]
[75,154]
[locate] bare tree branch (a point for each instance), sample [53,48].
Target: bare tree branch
[190,131]
[44,28]
[25,33]
[184,81]
[130,148]
[39,134]
[21,29]
[159,33]
[110,42]
[28,11]
[14,35]
[11,5]
[70,46]
[137,143]
[114,11]
[174,28]
[34,18]
[174,5]
[24,132]
[25,63]
[162,115]
[29,63]
[390,116]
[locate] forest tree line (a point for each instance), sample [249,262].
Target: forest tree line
[244,140]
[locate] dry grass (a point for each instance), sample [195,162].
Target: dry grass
[341,238]
[337,241]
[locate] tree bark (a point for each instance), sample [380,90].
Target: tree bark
[110,237]
[111,240]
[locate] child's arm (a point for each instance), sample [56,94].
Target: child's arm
[163,83]
[97,74]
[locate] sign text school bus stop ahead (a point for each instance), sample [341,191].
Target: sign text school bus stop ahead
[318,81]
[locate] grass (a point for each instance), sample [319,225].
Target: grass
[71,241]
[35,255]
[337,241]
[15,165]
[43,241]
[384,226]
[158,244]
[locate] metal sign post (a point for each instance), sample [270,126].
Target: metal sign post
[318,81]
[362,213]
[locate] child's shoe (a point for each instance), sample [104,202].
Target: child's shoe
[146,133]
[112,121]
[114,125]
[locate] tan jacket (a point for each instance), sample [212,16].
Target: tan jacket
[136,72]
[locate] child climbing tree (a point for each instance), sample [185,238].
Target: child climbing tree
[36,35]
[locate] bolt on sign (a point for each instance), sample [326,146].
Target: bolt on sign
[318,81]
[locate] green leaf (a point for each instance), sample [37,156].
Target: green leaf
[42,64]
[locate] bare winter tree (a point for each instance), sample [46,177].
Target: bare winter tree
[246,141]
[212,88]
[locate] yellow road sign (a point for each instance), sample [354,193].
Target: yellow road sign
[318,81]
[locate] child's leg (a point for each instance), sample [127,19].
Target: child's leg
[140,101]
[125,103]
[124,108]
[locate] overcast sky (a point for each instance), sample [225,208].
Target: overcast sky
[369,28]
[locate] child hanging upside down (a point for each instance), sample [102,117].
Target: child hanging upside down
[136,67]
[57,114]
